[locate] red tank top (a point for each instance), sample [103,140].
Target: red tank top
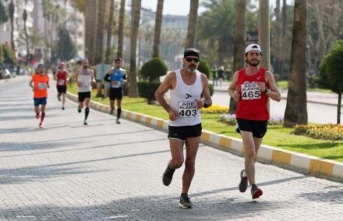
[61,78]
[253,104]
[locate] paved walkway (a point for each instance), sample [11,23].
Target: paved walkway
[105,171]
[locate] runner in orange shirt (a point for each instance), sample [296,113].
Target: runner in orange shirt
[40,84]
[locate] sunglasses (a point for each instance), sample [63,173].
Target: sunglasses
[192,59]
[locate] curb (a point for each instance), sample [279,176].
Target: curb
[302,163]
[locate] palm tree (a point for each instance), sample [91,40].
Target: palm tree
[90,27]
[109,33]
[36,38]
[218,34]
[121,29]
[136,14]
[157,33]
[11,12]
[296,107]
[192,23]
[102,9]
[238,43]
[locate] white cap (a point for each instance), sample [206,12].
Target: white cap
[252,47]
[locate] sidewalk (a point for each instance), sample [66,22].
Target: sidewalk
[312,97]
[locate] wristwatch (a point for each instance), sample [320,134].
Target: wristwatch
[266,90]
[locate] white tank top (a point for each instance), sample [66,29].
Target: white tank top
[85,79]
[182,99]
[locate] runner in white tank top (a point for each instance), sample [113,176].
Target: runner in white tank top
[186,87]
[84,78]
[183,100]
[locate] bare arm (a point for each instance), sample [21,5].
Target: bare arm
[207,100]
[162,89]
[31,84]
[233,87]
[273,91]
[92,76]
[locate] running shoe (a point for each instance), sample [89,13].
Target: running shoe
[79,110]
[41,125]
[85,122]
[243,185]
[117,121]
[37,115]
[63,108]
[256,192]
[167,176]
[185,202]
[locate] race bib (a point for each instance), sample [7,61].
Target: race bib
[250,91]
[60,82]
[187,109]
[116,84]
[41,86]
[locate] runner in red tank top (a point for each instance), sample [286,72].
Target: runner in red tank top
[252,87]
[61,77]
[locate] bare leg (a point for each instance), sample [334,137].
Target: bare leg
[192,145]
[251,146]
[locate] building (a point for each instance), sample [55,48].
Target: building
[42,24]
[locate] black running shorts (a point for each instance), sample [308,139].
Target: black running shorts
[183,132]
[258,128]
[116,93]
[84,95]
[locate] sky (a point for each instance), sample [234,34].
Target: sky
[181,7]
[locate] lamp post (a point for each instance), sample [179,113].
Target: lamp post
[26,37]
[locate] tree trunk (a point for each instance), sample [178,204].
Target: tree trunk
[283,31]
[339,108]
[238,43]
[102,9]
[192,23]
[90,27]
[11,8]
[157,33]
[296,107]
[264,32]
[109,33]
[121,29]
[136,14]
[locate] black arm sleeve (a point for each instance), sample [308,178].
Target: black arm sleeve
[107,77]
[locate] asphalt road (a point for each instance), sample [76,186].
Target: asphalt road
[105,171]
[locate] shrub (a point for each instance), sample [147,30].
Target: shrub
[153,69]
[147,90]
[230,119]
[326,131]
[215,109]
[204,67]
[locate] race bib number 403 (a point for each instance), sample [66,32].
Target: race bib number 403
[187,109]
[250,91]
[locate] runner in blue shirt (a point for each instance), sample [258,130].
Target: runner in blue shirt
[116,76]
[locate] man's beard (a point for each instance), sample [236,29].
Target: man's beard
[191,69]
[85,66]
[253,64]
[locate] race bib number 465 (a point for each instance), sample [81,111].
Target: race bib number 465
[187,109]
[250,91]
